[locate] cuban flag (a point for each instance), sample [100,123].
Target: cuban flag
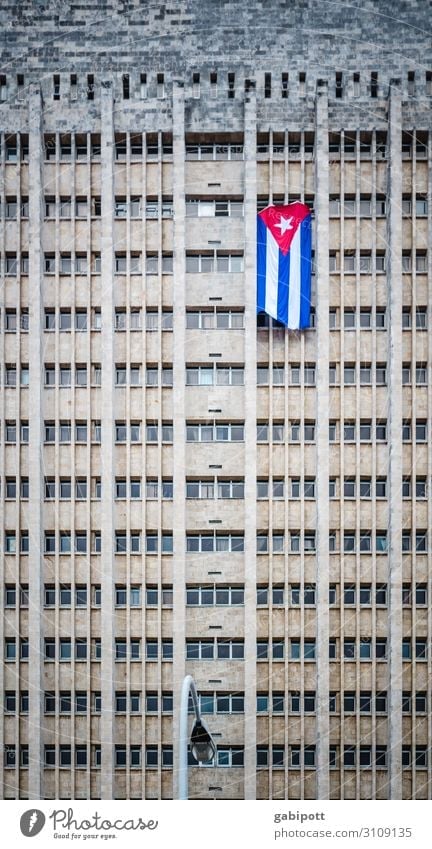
[284,264]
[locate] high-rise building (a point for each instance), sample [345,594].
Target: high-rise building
[187,487]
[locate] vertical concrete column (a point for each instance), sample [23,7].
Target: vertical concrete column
[179,379]
[428,468]
[107,447]
[322,435]
[394,296]
[250,357]
[3,456]
[35,455]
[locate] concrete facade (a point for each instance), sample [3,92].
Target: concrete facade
[185,488]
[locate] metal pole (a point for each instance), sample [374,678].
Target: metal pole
[188,686]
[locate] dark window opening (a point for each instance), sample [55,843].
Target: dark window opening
[411,82]
[302,83]
[196,85]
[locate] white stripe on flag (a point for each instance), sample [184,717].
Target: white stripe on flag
[272,274]
[294,283]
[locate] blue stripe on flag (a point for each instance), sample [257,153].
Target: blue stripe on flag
[283,287]
[305,272]
[261,264]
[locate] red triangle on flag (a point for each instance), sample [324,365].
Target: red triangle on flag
[284,221]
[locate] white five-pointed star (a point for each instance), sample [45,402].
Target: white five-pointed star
[284,224]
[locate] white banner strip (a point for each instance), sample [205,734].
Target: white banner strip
[272,275]
[294,282]
[159,825]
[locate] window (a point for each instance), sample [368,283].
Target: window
[227,703]
[200,489]
[420,756]
[365,541]
[122,651]
[120,319]
[406,430]
[276,491]
[420,263]
[349,373]
[11,264]
[221,263]
[200,376]
[421,541]
[349,319]
[380,318]
[420,487]
[220,595]
[24,649]
[124,543]
[298,705]
[421,430]
[10,375]
[81,320]
[421,374]
[65,375]
[81,205]
[299,647]
[275,541]
[133,754]
[10,595]
[124,431]
[10,649]
[230,489]
[214,208]
[421,318]
[202,432]
[277,595]
[80,375]
[223,319]
[217,543]
[406,487]
[299,755]
[308,431]
[419,702]
[308,541]
[10,542]
[406,262]
[207,376]
[208,650]
[10,321]
[276,377]
[308,597]
[270,651]
[152,543]
[152,596]
[275,433]
[366,375]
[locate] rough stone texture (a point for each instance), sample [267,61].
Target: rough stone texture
[177,39]
[180,37]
